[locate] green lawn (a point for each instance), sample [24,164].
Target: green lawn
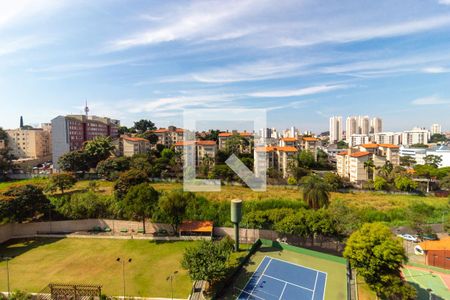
[336,284]
[41,261]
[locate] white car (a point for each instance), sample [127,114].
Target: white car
[409,237]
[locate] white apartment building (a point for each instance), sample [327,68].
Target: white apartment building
[358,139]
[32,144]
[335,129]
[415,136]
[388,138]
[362,125]
[436,129]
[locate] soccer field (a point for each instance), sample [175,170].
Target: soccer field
[38,262]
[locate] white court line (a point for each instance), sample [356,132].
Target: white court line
[251,295]
[297,265]
[260,276]
[315,283]
[282,292]
[293,284]
[243,291]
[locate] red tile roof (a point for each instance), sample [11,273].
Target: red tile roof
[227,134]
[289,139]
[343,153]
[360,154]
[134,139]
[199,142]
[369,146]
[310,139]
[442,244]
[277,148]
[392,146]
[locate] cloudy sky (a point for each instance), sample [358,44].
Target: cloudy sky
[302,60]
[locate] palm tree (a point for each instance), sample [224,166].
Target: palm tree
[316,192]
[370,166]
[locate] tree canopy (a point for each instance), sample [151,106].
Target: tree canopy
[316,192]
[144,125]
[61,181]
[173,205]
[378,257]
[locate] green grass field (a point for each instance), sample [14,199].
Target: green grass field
[41,261]
[336,285]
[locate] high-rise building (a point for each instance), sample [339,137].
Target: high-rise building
[376,125]
[351,127]
[335,129]
[436,129]
[388,138]
[70,132]
[364,125]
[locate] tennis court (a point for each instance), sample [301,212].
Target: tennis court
[278,279]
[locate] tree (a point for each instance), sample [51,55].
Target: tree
[438,137]
[61,181]
[75,161]
[98,149]
[173,205]
[84,205]
[334,181]
[305,159]
[22,203]
[294,224]
[140,202]
[316,192]
[150,136]
[208,260]
[380,184]
[433,160]
[5,162]
[386,170]
[378,257]
[111,167]
[127,180]
[370,166]
[445,182]
[144,125]
[407,161]
[405,183]
[419,145]
[342,145]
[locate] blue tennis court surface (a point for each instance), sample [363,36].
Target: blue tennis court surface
[280,280]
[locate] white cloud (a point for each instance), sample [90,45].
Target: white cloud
[299,92]
[259,70]
[431,100]
[18,44]
[435,70]
[444,2]
[202,20]
[18,11]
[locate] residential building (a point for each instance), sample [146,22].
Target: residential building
[417,153]
[203,149]
[358,139]
[30,144]
[310,144]
[364,124]
[388,138]
[265,133]
[415,136]
[350,163]
[351,127]
[376,125]
[277,157]
[436,252]
[129,146]
[436,129]
[245,146]
[69,133]
[2,144]
[335,129]
[169,136]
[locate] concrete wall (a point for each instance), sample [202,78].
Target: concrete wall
[17,230]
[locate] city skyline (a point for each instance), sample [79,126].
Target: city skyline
[151,60]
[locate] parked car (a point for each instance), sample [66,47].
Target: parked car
[409,237]
[428,237]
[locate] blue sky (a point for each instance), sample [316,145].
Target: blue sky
[302,60]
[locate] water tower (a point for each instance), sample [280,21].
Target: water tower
[236,217]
